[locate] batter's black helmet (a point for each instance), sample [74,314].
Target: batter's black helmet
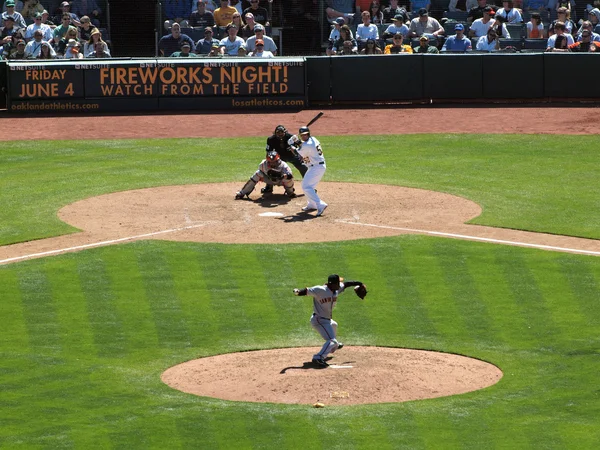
[303,130]
[280,128]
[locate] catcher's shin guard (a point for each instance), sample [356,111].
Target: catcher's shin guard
[288,184]
[248,187]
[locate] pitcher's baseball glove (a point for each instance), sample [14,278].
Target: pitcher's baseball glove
[361,291]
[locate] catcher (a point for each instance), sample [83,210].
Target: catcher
[324,300]
[274,172]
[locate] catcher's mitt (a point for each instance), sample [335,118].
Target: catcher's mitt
[361,291]
[275,175]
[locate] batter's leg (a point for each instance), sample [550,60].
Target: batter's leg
[309,183]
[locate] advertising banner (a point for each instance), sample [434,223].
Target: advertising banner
[178,83]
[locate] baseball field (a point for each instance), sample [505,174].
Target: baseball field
[92,318]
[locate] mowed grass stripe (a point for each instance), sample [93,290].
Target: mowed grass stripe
[169,321]
[192,292]
[223,299]
[102,314]
[260,318]
[518,268]
[487,272]
[78,339]
[584,286]
[130,301]
[473,313]
[229,428]
[375,430]
[279,274]
[433,425]
[13,332]
[295,428]
[552,276]
[39,309]
[436,295]
[401,266]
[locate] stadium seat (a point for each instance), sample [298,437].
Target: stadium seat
[449,28]
[457,16]
[516,30]
[534,44]
[516,43]
[195,33]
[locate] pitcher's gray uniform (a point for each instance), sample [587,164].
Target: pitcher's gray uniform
[324,300]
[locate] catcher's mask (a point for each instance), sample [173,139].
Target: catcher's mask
[272,159]
[303,130]
[280,129]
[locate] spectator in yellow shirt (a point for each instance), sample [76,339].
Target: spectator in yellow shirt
[224,14]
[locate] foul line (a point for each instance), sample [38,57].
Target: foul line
[475,238]
[98,244]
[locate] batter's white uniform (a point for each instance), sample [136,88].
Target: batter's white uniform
[324,300]
[312,155]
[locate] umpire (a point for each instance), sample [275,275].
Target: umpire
[279,142]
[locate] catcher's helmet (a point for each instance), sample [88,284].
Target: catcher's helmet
[303,130]
[280,128]
[272,158]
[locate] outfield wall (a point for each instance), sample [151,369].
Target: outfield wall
[294,83]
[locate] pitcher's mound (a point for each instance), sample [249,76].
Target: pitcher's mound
[357,375]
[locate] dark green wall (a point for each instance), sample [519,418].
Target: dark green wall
[525,76]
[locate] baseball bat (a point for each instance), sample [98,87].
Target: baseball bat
[314,119]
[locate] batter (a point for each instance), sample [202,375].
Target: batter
[309,148]
[324,300]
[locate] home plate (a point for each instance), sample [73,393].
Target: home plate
[271,214]
[334,366]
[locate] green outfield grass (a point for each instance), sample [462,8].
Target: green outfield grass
[85,336]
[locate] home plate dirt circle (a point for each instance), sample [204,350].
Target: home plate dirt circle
[209,213]
[358,375]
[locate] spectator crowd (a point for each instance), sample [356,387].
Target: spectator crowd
[217,28]
[397,26]
[29,31]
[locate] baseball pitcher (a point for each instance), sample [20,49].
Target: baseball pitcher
[272,171]
[324,300]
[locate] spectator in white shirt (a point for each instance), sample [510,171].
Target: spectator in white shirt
[559,29]
[34,46]
[260,51]
[480,27]
[38,25]
[366,30]
[489,42]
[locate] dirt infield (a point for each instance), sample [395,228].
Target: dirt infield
[409,120]
[208,213]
